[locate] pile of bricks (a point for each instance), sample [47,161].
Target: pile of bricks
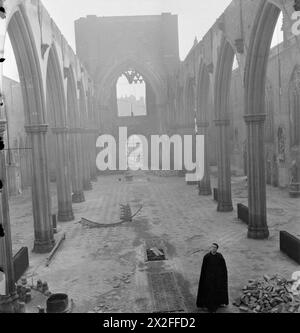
[268,295]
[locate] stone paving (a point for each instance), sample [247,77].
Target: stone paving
[104,269]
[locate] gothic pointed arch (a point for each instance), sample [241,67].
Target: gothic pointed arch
[55,97]
[22,40]
[111,76]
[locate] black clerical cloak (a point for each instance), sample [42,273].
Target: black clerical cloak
[213,284]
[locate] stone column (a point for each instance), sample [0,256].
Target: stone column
[87,185]
[43,229]
[258,228]
[64,193]
[182,132]
[92,141]
[76,170]
[224,171]
[8,303]
[205,184]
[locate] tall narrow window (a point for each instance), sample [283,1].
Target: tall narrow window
[131,94]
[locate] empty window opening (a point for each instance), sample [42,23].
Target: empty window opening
[131,94]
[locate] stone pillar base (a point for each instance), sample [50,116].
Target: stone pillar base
[181,173]
[78,197]
[225,207]
[194,183]
[258,233]
[204,190]
[87,186]
[294,190]
[94,178]
[10,304]
[67,216]
[43,247]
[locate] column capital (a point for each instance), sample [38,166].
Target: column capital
[75,130]
[203,124]
[36,128]
[185,130]
[222,122]
[255,118]
[91,131]
[59,130]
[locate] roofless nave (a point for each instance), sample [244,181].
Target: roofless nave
[70,99]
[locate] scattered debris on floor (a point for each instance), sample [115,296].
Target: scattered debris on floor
[269,295]
[24,290]
[125,213]
[296,285]
[125,218]
[112,301]
[155,254]
[56,248]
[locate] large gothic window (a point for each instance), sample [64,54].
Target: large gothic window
[131,94]
[269,110]
[294,106]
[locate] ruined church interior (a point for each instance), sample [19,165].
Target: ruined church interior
[132,138]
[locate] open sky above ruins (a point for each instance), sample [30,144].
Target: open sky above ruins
[195,18]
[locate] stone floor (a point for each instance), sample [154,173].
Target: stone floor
[104,269]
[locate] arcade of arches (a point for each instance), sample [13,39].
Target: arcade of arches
[234,87]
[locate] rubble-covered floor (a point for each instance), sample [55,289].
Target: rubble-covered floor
[106,269]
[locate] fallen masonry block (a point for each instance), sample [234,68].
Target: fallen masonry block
[53,252]
[243,213]
[290,245]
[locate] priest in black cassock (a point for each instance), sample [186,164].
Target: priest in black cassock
[213,284]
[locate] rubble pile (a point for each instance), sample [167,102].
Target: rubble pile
[269,295]
[24,290]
